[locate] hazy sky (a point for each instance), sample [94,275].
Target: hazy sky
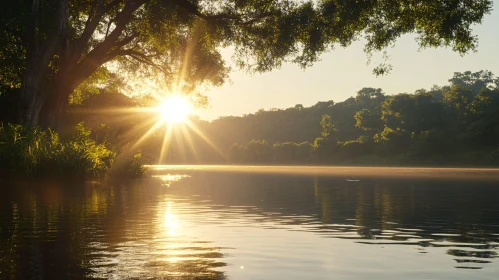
[342,72]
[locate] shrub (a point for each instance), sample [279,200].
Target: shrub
[136,168]
[128,166]
[36,153]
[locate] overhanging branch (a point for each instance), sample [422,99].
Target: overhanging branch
[91,25]
[140,57]
[193,9]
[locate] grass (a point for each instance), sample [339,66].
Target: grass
[37,153]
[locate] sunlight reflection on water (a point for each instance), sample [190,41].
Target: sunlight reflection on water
[217,225]
[350,173]
[168,179]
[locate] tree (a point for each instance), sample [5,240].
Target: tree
[236,153]
[419,128]
[483,129]
[60,43]
[398,110]
[370,97]
[257,151]
[369,120]
[459,98]
[474,81]
[298,107]
[395,141]
[328,129]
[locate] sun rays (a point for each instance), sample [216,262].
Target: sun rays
[175,109]
[165,123]
[162,120]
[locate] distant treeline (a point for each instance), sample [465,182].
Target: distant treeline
[454,124]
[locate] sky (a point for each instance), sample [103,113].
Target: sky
[344,71]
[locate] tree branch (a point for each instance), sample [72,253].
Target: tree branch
[126,40]
[257,18]
[191,8]
[100,54]
[91,12]
[108,26]
[90,27]
[139,56]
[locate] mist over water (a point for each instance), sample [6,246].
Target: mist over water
[348,172]
[209,222]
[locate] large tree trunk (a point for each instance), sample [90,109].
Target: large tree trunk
[40,52]
[44,100]
[31,99]
[54,111]
[45,105]
[56,104]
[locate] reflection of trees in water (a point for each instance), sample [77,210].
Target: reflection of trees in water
[460,214]
[49,231]
[477,254]
[412,212]
[441,206]
[99,230]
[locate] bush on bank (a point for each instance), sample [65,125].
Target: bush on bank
[36,153]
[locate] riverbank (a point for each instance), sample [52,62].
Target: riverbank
[35,153]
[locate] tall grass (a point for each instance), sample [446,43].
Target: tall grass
[36,153]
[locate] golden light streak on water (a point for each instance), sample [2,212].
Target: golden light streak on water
[351,173]
[171,221]
[169,178]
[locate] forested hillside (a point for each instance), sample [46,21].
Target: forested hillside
[456,124]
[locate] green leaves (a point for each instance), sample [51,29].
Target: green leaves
[35,153]
[178,43]
[327,126]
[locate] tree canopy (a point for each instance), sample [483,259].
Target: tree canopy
[51,47]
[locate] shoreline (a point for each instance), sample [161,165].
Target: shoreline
[341,171]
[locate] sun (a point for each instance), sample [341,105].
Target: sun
[175,109]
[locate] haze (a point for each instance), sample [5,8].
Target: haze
[343,72]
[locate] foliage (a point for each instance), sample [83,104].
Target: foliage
[135,166]
[53,48]
[455,124]
[369,120]
[327,127]
[421,128]
[257,151]
[36,153]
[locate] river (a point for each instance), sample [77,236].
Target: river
[241,222]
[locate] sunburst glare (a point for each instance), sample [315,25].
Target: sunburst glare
[175,109]
[162,120]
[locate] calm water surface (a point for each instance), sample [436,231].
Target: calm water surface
[192,223]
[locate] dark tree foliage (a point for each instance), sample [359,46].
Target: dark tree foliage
[51,47]
[456,124]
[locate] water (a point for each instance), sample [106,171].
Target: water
[216,223]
